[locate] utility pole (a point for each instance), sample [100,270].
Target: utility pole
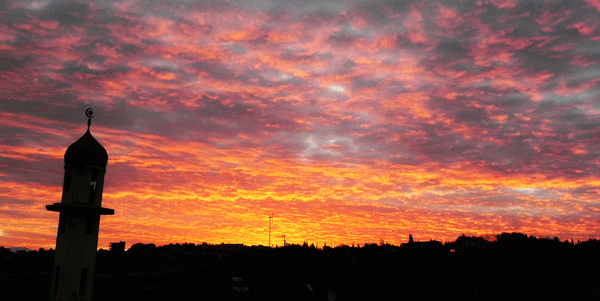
[270,221]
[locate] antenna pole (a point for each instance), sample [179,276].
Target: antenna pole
[270,218]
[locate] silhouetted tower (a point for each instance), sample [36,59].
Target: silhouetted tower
[79,220]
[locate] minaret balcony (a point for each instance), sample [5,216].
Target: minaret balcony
[80,208]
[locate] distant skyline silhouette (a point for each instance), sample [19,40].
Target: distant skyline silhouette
[350,121]
[511,266]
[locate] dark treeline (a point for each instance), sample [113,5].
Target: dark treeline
[511,266]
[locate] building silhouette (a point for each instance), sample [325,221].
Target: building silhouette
[79,220]
[117,247]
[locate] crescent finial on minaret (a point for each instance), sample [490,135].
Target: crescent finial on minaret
[90,114]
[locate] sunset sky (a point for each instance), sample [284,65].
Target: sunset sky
[351,121]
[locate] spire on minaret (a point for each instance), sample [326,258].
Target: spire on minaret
[90,114]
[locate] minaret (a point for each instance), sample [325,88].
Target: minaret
[79,220]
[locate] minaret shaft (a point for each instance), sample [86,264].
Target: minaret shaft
[79,220]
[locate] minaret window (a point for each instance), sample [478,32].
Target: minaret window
[93,185]
[56,278]
[67,181]
[89,226]
[83,281]
[61,225]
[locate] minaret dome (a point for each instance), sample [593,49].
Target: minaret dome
[86,151]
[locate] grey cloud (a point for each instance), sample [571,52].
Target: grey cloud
[37,169]
[40,107]
[67,13]
[8,63]
[342,40]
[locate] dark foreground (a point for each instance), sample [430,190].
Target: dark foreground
[417,271]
